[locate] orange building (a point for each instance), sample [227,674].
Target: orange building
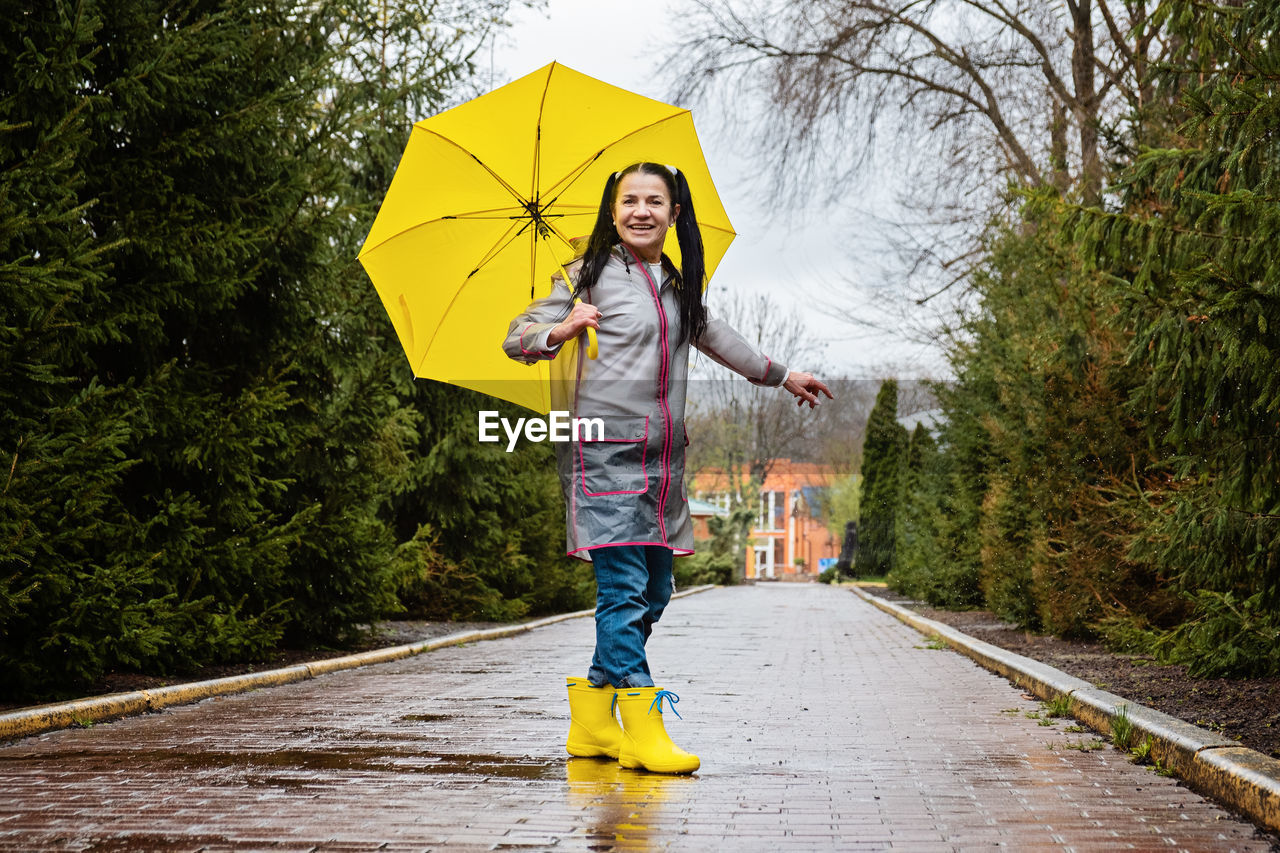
[789,536]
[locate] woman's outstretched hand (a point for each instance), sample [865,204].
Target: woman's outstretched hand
[805,386]
[582,316]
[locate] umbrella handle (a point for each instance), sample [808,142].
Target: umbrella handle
[593,346]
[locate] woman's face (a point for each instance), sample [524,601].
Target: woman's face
[642,214]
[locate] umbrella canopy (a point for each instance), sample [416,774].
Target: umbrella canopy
[486,201]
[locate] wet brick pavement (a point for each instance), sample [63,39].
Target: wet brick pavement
[822,723]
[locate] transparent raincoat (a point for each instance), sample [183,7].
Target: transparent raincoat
[623,477]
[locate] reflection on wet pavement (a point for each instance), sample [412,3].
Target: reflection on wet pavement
[627,809]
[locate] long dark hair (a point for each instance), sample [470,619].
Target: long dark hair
[693,271]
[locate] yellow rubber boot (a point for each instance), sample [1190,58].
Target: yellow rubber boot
[593,729]
[645,742]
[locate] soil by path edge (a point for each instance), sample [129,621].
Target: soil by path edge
[1244,709]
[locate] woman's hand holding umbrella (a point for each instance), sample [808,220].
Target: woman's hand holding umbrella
[582,317]
[805,386]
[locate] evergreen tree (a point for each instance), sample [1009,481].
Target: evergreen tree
[1110,445]
[962,465]
[1195,255]
[205,415]
[65,557]
[918,556]
[216,168]
[496,518]
[1037,440]
[882,453]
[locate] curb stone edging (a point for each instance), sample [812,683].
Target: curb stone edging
[40,719]
[1243,779]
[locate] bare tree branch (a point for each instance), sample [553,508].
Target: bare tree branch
[1010,19]
[962,97]
[1117,38]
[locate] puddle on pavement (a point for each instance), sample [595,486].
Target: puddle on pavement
[342,759]
[129,842]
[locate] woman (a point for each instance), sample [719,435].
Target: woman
[624,490]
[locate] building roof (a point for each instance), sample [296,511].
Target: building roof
[703,508]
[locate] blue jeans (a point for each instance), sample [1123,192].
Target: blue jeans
[633,587]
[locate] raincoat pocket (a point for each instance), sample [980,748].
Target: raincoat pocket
[614,463]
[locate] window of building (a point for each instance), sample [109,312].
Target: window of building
[773,511]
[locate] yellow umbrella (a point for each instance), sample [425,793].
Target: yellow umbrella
[485,202]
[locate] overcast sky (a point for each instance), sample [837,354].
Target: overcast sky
[800,257]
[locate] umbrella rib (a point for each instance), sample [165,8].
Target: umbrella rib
[506,186]
[505,240]
[537,139]
[551,226]
[476,215]
[554,229]
[533,264]
[491,212]
[576,172]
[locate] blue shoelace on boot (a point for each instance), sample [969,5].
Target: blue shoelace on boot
[671,698]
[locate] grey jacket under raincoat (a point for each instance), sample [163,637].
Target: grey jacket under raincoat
[627,485]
